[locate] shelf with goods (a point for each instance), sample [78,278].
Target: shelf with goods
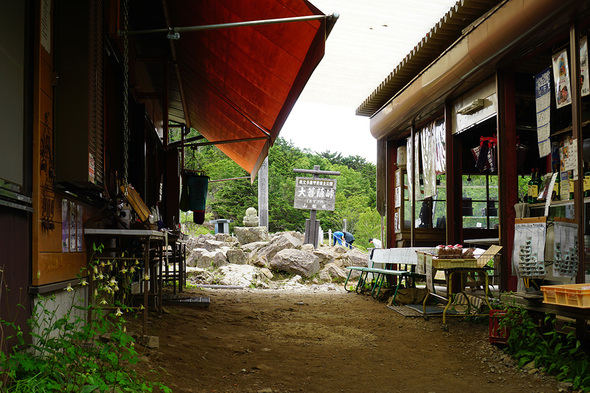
[564,168]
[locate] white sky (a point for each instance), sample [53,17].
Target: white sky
[369,40]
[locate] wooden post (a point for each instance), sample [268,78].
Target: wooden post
[507,174]
[263,193]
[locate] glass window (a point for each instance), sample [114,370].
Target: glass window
[431,212]
[480,201]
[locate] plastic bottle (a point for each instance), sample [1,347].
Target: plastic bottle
[533,187]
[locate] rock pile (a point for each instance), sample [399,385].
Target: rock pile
[253,257]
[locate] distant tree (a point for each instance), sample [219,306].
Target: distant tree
[355,195]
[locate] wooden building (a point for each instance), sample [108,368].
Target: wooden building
[474,84]
[90,92]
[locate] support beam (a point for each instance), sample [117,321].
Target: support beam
[174,32]
[391,167]
[194,145]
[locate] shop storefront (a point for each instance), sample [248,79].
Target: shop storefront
[480,134]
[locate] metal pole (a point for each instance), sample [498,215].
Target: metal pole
[174,30]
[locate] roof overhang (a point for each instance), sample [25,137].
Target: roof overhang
[470,59]
[234,84]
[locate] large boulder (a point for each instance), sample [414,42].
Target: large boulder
[193,255]
[325,255]
[251,234]
[355,257]
[205,259]
[332,271]
[278,243]
[298,235]
[242,275]
[211,244]
[236,256]
[299,262]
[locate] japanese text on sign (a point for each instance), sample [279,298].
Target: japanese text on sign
[315,194]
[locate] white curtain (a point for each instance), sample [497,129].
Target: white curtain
[428,145]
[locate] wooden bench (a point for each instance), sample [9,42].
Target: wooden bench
[380,265]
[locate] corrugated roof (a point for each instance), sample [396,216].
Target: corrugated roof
[450,28]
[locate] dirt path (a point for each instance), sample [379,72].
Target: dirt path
[260,341]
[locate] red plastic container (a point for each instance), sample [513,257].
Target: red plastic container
[498,335]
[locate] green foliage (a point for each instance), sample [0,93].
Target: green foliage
[355,194]
[558,354]
[69,353]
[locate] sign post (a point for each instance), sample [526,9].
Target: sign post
[314,193]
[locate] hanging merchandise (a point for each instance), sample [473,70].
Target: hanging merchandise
[428,164]
[584,82]
[485,154]
[194,194]
[561,76]
[440,143]
[565,258]
[528,254]
[543,110]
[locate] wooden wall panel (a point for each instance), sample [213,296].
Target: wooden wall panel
[15,227]
[56,267]
[46,83]
[48,241]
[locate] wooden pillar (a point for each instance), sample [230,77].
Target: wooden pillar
[454,177]
[263,193]
[507,174]
[390,157]
[577,136]
[581,331]
[414,190]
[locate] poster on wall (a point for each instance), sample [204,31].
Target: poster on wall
[46,25]
[584,82]
[561,76]
[72,224]
[543,110]
[568,155]
[79,228]
[65,228]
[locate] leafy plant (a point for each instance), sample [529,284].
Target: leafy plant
[557,353]
[71,354]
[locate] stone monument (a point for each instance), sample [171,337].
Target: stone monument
[251,231]
[251,218]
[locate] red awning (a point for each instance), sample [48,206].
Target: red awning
[242,82]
